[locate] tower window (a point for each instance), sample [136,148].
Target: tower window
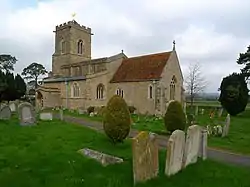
[80,47]
[63,46]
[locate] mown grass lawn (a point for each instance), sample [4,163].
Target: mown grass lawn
[46,156]
[238,139]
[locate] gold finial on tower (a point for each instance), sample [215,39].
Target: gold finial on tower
[73,15]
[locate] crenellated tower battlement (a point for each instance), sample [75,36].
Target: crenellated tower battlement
[74,24]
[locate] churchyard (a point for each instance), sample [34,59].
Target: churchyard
[39,148]
[238,140]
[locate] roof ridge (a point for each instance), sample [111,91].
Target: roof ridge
[152,54]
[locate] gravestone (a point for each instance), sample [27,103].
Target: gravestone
[175,150]
[196,110]
[220,112]
[13,106]
[226,126]
[203,144]
[145,157]
[61,114]
[5,112]
[103,158]
[80,111]
[192,145]
[46,116]
[27,114]
[202,111]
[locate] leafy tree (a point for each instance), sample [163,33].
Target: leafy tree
[244,59]
[33,71]
[7,62]
[3,85]
[234,93]
[20,86]
[10,91]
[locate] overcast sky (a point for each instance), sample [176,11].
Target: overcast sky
[212,32]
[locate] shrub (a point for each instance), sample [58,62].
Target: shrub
[90,109]
[116,119]
[234,94]
[131,109]
[175,117]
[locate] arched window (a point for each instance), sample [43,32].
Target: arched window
[100,91]
[63,46]
[76,90]
[150,92]
[119,92]
[172,88]
[80,47]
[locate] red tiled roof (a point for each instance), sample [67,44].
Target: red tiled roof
[141,68]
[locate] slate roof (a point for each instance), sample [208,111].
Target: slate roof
[141,68]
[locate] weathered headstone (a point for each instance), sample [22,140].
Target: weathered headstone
[46,116]
[220,112]
[80,111]
[196,110]
[5,112]
[145,157]
[13,106]
[226,126]
[27,114]
[175,150]
[202,111]
[192,145]
[61,114]
[203,144]
[103,158]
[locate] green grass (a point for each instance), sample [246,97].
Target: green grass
[238,139]
[46,156]
[210,103]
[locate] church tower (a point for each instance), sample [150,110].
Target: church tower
[72,44]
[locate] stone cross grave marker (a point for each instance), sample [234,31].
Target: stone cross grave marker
[192,145]
[46,116]
[175,150]
[203,144]
[5,112]
[27,114]
[145,157]
[226,126]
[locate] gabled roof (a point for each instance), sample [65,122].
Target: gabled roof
[141,68]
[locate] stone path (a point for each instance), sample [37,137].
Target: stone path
[219,155]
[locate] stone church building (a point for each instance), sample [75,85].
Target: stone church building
[147,82]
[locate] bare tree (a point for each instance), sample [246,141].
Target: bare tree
[195,81]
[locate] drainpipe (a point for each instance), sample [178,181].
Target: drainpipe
[66,85]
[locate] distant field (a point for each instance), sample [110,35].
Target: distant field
[210,103]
